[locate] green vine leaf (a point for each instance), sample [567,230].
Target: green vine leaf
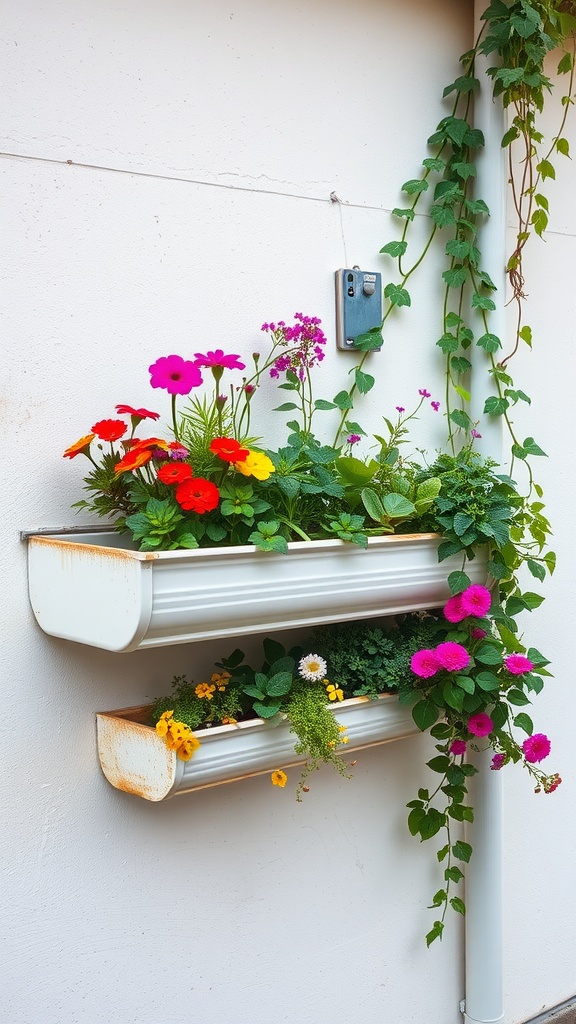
[397,296]
[394,249]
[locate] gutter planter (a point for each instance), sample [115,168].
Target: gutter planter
[136,760]
[93,588]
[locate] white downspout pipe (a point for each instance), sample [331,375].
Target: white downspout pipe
[484,1001]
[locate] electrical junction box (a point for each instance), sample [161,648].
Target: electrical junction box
[358,305]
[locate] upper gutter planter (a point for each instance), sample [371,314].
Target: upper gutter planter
[94,589]
[136,760]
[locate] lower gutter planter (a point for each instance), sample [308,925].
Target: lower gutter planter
[136,760]
[93,588]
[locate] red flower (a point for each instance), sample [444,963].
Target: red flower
[110,430]
[197,495]
[175,472]
[143,414]
[228,449]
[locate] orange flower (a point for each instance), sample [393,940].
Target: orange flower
[80,446]
[205,690]
[149,442]
[133,460]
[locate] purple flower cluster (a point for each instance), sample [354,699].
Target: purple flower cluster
[304,339]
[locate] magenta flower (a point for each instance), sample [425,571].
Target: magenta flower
[458,747]
[477,633]
[453,610]
[452,656]
[424,393]
[480,724]
[476,600]
[400,409]
[536,747]
[435,406]
[475,433]
[498,762]
[178,376]
[218,358]
[424,663]
[352,438]
[517,664]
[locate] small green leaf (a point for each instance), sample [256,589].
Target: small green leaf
[546,170]
[532,448]
[457,905]
[458,580]
[397,296]
[489,342]
[425,713]
[414,186]
[364,381]
[408,214]
[524,722]
[394,249]
[462,850]
[494,406]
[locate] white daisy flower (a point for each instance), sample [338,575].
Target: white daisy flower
[312,667]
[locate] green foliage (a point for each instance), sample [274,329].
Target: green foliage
[317,730]
[366,659]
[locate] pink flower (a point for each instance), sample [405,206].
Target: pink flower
[477,633]
[178,376]
[435,406]
[218,358]
[424,663]
[458,747]
[453,610]
[353,439]
[498,762]
[424,393]
[476,600]
[452,656]
[400,408]
[536,747]
[517,664]
[480,724]
[475,433]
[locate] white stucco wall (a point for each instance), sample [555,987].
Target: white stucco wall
[204,145]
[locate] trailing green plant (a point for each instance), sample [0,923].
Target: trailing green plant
[472,686]
[518,36]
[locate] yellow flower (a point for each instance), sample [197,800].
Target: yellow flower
[205,690]
[334,692]
[188,748]
[162,727]
[344,740]
[279,778]
[167,714]
[342,728]
[229,721]
[256,464]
